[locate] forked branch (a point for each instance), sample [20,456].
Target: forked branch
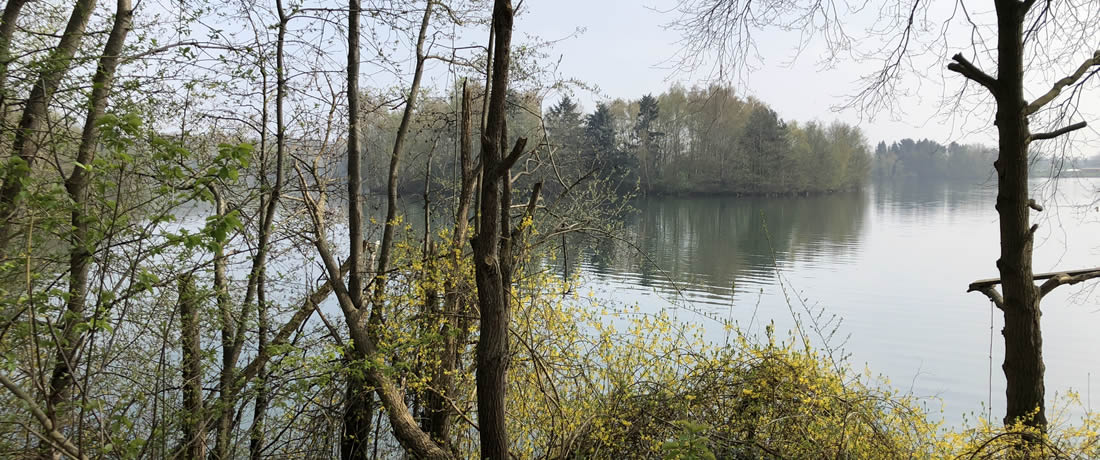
[513,156]
[1066,279]
[55,437]
[1063,83]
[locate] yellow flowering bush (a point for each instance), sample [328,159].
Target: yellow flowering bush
[589,380]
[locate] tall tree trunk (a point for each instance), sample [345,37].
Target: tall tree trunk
[358,416]
[25,143]
[395,159]
[80,247]
[8,22]
[358,408]
[355,211]
[1023,366]
[258,277]
[492,349]
[439,410]
[193,444]
[226,404]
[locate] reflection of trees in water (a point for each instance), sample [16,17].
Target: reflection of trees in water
[711,243]
[913,198]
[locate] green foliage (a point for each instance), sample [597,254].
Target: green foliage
[708,141]
[926,159]
[690,444]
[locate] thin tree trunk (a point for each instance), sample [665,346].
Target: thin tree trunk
[258,277]
[395,158]
[80,247]
[259,412]
[355,211]
[193,444]
[492,349]
[25,143]
[439,411]
[8,22]
[226,404]
[357,416]
[355,440]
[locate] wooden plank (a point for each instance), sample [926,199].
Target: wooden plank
[980,284]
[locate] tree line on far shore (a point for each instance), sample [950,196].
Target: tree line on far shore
[681,142]
[708,140]
[927,159]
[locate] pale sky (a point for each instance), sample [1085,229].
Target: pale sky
[623,46]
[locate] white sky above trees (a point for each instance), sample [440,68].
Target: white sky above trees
[624,47]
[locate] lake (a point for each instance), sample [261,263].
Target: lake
[892,261]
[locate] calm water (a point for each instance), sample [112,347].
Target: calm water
[893,262]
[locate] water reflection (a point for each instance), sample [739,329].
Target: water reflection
[893,261]
[724,245]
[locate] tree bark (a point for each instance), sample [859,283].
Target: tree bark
[80,247]
[452,329]
[355,440]
[8,22]
[355,211]
[258,277]
[492,348]
[193,444]
[259,411]
[25,143]
[1023,365]
[226,404]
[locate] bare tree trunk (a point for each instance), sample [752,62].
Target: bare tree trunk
[25,144]
[492,349]
[357,410]
[228,333]
[1023,366]
[258,277]
[8,22]
[355,211]
[439,410]
[80,247]
[193,444]
[395,159]
[358,416]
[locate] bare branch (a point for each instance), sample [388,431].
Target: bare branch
[1063,83]
[55,437]
[1058,132]
[1066,279]
[992,293]
[517,151]
[972,72]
